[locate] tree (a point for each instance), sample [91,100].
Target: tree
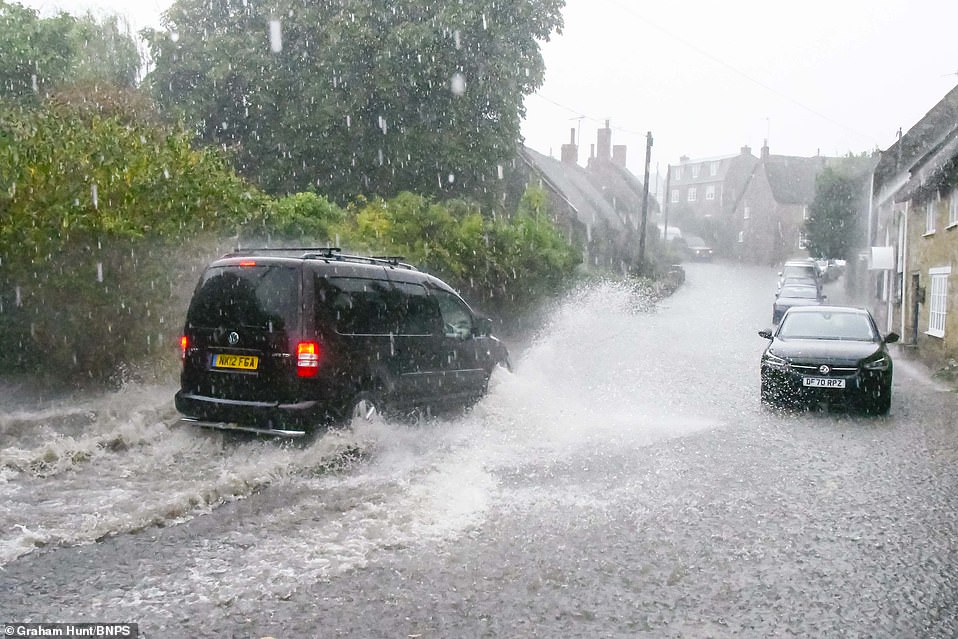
[831,229]
[356,96]
[39,56]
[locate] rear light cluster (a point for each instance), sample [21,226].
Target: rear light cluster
[184,342]
[307,359]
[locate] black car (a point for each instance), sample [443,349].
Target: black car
[804,269]
[285,343]
[697,249]
[832,354]
[796,295]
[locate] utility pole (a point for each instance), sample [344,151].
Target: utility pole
[645,201]
[666,198]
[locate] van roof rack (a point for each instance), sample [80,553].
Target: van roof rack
[328,253]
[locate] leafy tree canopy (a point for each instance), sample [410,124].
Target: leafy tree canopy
[356,97]
[41,55]
[832,226]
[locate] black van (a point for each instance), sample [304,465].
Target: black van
[284,341]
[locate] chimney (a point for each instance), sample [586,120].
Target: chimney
[746,150]
[570,151]
[684,159]
[604,141]
[765,150]
[618,155]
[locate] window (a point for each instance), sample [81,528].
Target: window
[713,168]
[710,192]
[692,196]
[802,240]
[953,209]
[938,297]
[675,196]
[930,217]
[741,237]
[695,171]
[356,306]
[805,214]
[748,212]
[678,173]
[456,316]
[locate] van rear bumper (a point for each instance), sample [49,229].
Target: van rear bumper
[289,420]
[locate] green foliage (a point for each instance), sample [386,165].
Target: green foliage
[362,97]
[832,226]
[41,55]
[34,52]
[92,210]
[506,264]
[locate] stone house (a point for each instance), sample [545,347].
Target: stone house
[912,227]
[704,193]
[598,206]
[768,219]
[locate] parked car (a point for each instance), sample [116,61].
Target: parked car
[697,249]
[833,354]
[281,343]
[796,294]
[805,269]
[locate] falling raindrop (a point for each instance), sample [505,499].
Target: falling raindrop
[499,171]
[349,121]
[33,81]
[382,124]
[380,157]
[456,37]
[93,194]
[174,36]
[275,36]
[451,178]
[99,272]
[166,173]
[458,84]
[18,300]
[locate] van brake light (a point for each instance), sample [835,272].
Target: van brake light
[184,342]
[307,359]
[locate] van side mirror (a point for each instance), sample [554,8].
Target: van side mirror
[891,338]
[483,327]
[766,333]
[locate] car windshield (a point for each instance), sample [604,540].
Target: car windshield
[827,325]
[802,292]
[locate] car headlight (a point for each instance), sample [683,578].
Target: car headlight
[774,361]
[880,364]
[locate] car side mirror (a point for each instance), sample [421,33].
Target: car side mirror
[891,338]
[824,298]
[766,333]
[483,327]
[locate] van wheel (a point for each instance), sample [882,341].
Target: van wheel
[365,407]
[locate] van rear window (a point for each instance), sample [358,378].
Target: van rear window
[264,296]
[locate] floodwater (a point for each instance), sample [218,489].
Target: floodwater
[623,480]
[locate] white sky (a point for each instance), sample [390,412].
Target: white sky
[707,77]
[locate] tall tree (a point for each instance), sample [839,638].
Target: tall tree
[832,226]
[39,56]
[356,96]
[34,52]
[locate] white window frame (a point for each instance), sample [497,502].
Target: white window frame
[713,168]
[931,213]
[937,300]
[691,196]
[678,174]
[802,240]
[710,192]
[953,209]
[695,171]
[675,196]
[747,211]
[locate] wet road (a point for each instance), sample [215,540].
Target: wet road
[623,481]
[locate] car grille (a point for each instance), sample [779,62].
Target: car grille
[813,369]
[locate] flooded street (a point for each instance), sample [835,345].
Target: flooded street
[623,480]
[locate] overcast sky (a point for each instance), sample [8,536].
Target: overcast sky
[706,77]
